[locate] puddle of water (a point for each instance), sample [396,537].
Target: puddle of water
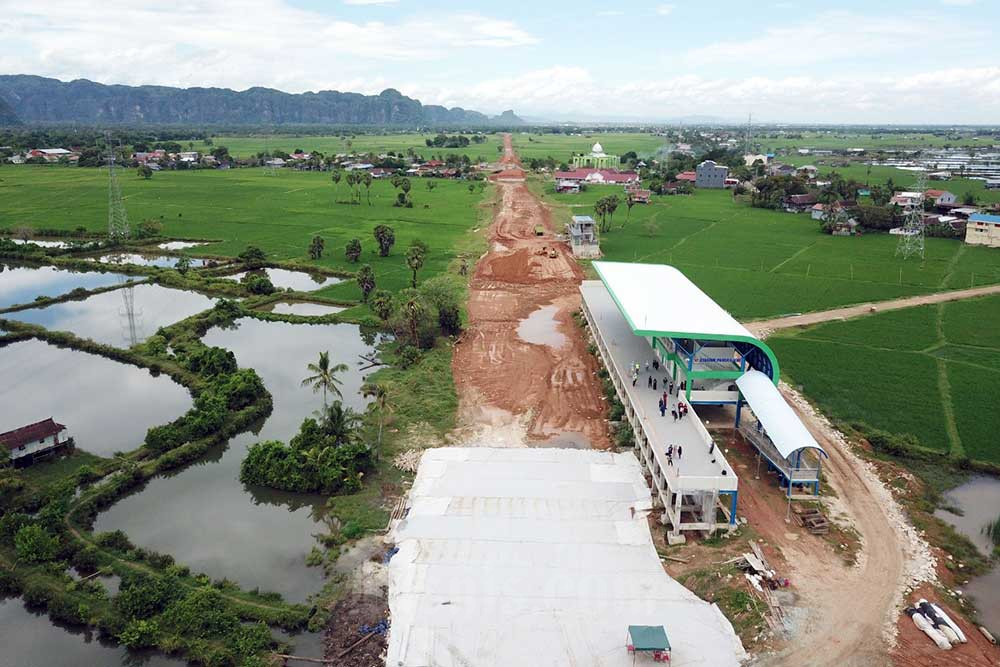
[106,405]
[31,639]
[204,516]
[161,261]
[542,328]
[121,317]
[299,281]
[21,284]
[304,308]
[180,245]
[979,499]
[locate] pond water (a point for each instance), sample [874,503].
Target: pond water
[43,244]
[204,516]
[979,500]
[304,308]
[162,261]
[179,245]
[542,328]
[300,281]
[121,317]
[87,393]
[21,284]
[32,640]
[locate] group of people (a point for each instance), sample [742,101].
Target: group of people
[671,450]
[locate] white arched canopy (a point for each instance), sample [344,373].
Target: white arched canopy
[782,425]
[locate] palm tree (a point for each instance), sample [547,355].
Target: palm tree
[380,398]
[339,422]
[324,377]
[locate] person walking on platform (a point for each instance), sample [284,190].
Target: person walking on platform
[673,412]
[654,384]
[663,409]
[649,381]
[680,451]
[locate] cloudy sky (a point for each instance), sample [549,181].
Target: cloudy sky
[888,61]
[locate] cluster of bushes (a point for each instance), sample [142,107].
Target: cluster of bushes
[418,316]
[228,389]
[326,456]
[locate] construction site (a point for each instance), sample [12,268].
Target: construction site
[520,546]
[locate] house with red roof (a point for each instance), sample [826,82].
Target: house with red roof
[941,197]
[592,176]
[688,176]
[26,443]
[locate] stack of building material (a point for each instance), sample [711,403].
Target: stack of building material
[811,519]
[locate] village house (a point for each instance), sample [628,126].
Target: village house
[941,197]
[189,156]
[582,231]
[52,154]
[708,174]
[567,187]
[638,195]
[598,176]
[781,170]
[29,442]
[820,211]
[688,176]
[983,229]
[799,203]
[993,183]
[907,200]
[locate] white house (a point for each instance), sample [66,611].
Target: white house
[24,443]
[983,229]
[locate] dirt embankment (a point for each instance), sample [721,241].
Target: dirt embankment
[512,391]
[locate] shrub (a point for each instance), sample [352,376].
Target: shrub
[86,560]
[34,544]
[10,583]
[87,474]
[115,540]
[142,595]
[140,633]
[36,595]
[257,284]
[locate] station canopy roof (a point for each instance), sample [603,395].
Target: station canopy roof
[782,425]
[659,300]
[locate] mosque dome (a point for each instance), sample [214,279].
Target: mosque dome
[597,149]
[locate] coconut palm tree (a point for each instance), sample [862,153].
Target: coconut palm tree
[324,377]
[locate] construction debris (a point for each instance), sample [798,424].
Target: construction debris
[811,519]
[761,580]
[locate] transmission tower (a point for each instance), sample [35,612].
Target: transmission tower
[130,318]
[911,238]
[118,227]
[749,134]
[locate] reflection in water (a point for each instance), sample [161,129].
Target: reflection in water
[979,500]
[106,405]
[43,244]
[162,261]
[542,328]
[299,281]
[21,284]
[32,640]
[304,308]
[103,318]
[204,516]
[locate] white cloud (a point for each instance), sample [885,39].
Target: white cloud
[233,43]
[665,10]
[970,95]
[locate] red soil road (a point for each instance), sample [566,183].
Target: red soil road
[553,391]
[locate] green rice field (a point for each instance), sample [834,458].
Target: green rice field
[563,146]
[761,263]
[358,143]
[932,372]
[241,207]
[833,140]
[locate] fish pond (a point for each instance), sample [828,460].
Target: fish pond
[979,501]
[106,405]
[20,284]
[204,516]
[121,317]
[300,281]
[304,308]
[161,261]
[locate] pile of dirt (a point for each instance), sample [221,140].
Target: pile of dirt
[347,620]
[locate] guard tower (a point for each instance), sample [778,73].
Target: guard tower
[582,231]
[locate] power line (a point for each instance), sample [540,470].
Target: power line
[118,227]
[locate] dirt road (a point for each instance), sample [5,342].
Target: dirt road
[763,327]
[539,388]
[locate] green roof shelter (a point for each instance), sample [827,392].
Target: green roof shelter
[649,639]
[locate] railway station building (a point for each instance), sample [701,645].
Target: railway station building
[650,322]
